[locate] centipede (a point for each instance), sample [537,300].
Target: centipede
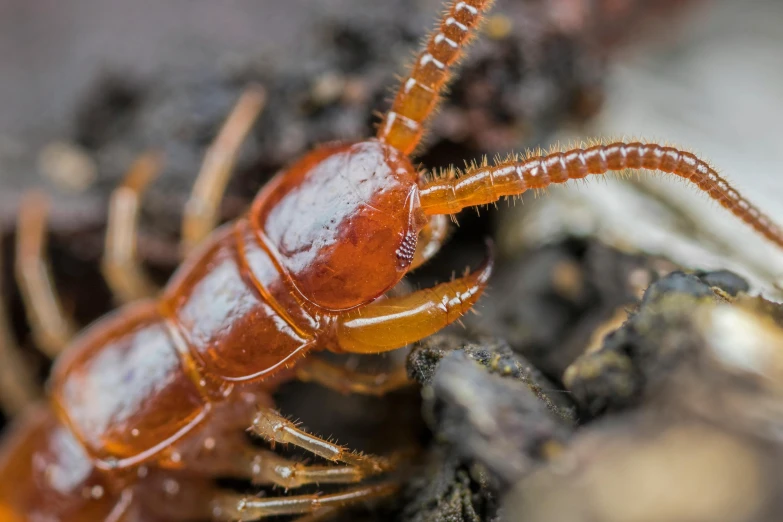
[167,385]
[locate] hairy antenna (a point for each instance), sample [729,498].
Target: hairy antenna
[485,184]
[403,125]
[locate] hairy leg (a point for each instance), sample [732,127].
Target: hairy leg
[233,455]
[180,496]
[221,449]
[243,508]
[274,428]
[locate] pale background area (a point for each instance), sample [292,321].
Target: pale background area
[717,90]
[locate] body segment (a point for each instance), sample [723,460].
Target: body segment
[46,474]
[139,381]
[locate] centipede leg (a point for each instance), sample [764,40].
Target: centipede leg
[232,455]
[51,327]
[266,467]
[121,268]
[274,428]
[181,496]
[344,380]
[17,384]
[243,508]
[201,209]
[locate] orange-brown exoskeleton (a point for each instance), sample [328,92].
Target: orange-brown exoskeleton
[160,392]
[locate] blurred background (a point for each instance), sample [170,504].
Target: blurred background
[710,83]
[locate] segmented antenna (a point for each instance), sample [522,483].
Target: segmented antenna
[403,125]
[486,184]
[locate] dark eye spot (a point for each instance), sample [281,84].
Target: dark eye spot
[406,250]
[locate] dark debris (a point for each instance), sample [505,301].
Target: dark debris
[548,301]
[698,441]
[671,420]
[635,358]
[449,492]
[488,404]
[490,420]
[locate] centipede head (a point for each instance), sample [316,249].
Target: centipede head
[344,222]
